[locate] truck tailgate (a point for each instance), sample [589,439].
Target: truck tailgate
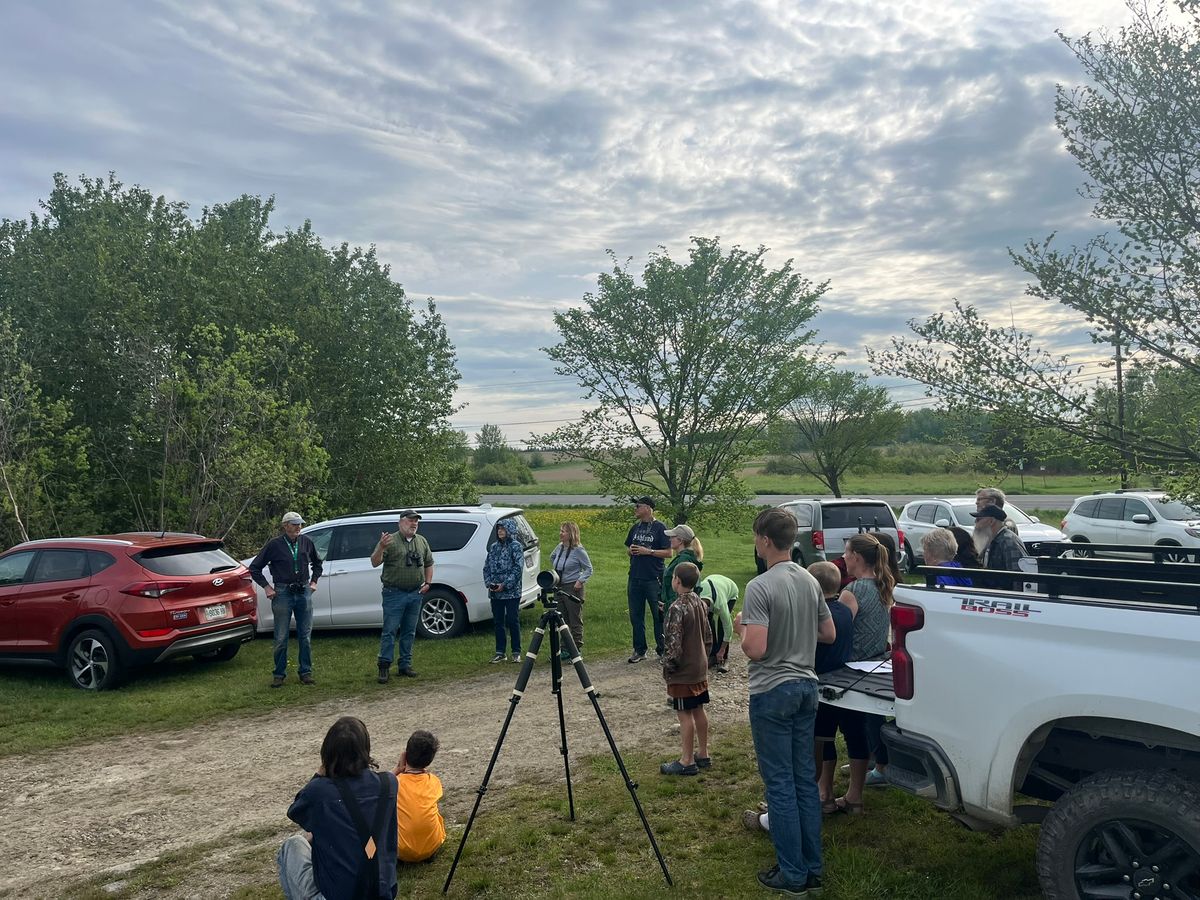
[869,692]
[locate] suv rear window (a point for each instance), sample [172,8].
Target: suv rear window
[186,559]
[851,515]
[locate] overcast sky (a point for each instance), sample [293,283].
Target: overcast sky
[494,151]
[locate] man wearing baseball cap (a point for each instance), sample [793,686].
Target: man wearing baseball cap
[999,547]
[648,547]
[295,567]
[407,573]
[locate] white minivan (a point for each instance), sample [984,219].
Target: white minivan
[348,594]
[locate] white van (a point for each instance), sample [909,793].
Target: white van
[348,594]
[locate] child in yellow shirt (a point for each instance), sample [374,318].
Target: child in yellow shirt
[420,827]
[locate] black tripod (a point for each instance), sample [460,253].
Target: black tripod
[552,621]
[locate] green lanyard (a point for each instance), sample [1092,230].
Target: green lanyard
[295,548]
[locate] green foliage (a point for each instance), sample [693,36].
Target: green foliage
[1134,132]
[685,367]
[497,463]
[209,374]
[834,422]
[503,473]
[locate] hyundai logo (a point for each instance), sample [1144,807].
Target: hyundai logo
[217,582]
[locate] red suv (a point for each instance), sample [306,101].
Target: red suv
[98,606]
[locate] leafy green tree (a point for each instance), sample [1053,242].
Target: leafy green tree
[497,463]
[1135,132]
[834,423]
[684,367]
[43,459]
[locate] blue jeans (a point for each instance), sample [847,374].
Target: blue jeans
[285,604]
[781,723]
[643,591]
[295,869]
[401,609]
[506,613]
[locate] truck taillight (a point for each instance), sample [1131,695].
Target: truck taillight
[905,618]
[819,540]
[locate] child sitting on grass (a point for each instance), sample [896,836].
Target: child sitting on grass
[687,636]
[420,827]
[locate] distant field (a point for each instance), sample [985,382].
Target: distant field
[574,479]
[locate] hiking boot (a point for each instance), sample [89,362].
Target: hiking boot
[277,681]
[384,672]
[407,672]
[772,880]
[637,657]
[498,658]
[307,678]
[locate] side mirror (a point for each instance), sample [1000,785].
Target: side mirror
[942,523]
[1142,519]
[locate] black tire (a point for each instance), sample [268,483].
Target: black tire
[443,615]
[1123,834]
[1081,552]
[1181,556]
[225,654]
[910,560]
[92,662]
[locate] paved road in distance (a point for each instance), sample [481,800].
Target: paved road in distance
[1022,501]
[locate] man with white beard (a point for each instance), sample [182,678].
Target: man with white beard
[998,547]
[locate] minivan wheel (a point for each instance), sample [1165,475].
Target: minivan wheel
[92,662]
[1181,556]
[443,615]
[1121,834]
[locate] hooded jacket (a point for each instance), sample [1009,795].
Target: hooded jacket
[505,564]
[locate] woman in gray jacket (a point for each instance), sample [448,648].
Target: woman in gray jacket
[571,562]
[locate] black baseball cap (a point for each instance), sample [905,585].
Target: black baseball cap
[991,511]
[644,501]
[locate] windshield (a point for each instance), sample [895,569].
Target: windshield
[1175,511]
[963,511]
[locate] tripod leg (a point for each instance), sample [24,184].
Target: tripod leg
[518,691]
[554,620]
[586,681]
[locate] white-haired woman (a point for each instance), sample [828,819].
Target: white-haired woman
[939,547]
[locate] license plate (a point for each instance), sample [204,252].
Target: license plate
[219,611]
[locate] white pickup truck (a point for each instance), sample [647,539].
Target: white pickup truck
[1084,692]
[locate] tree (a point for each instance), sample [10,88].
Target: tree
[833,424]
[685,368]
[1134,129]
[497,463]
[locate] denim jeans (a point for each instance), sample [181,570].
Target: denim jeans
[285,604]
[781,723]
[507,613]
[643,591]
[295,870]
[401,609]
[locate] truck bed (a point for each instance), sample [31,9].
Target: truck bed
[869,692]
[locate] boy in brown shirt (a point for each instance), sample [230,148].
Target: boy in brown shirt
[687,636]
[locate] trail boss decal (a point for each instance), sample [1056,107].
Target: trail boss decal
[997,607]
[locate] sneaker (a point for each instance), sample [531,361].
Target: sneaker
[516,657]
[277,681]
[814,886]
[875,778]
[677,768]
[722,668]
[498,658]
[384,670]
[704,762]
[307,678]
[772,880]
[637,657]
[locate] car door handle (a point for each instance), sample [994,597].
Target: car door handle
[71,596]
[340,572]
[8,602]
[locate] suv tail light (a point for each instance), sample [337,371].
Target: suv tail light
[905,619]
[1062,526]
[818,538]
[153,589]
[899,539]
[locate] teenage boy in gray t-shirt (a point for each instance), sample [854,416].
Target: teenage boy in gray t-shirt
[784,617]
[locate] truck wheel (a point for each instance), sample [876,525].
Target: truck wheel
[443,615]
[1121,834]
[92,662]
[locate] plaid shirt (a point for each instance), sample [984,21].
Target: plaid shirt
[1005,551]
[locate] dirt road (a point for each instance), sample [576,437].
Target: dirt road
[106,807]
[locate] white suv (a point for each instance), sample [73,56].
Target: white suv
[348,594]
[1132,517]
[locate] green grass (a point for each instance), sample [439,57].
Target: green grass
[949,485]
[524,844]
[39,710]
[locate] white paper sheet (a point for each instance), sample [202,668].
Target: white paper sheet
[881,666]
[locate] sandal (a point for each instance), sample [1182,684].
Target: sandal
[844,806]
[829,807]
